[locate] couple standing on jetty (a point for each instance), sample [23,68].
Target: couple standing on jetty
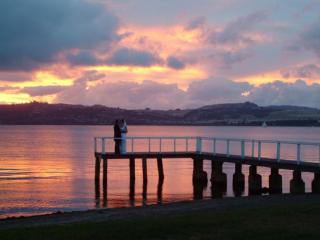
[120,134]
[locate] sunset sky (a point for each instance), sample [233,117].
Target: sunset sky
[160,54]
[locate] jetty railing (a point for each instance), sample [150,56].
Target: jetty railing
[274,149]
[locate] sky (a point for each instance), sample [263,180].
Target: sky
[160,54]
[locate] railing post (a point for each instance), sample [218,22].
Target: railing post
[149,143]
[298,153]
[160,145]
[228,147]
[214,146]
[259,150]
[252,154]
[242,149]
[198,145]
[132,144]
[174,144]
[319,154]
[187,144]
[103,147]
[278,151]
[95,144]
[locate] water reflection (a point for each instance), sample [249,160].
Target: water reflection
[51,168]
[144,192]
[159,190]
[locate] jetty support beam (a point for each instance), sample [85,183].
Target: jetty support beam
[199,176]
[316,183]
[297,185]
[97,169]
[275,181]
[160,168]
[238,181]
[144,170]
[255,181]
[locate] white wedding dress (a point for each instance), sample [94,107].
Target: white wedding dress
[123,147]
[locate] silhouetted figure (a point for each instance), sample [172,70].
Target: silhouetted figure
[117,136]
[124,130]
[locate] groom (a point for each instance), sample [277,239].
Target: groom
[117,136]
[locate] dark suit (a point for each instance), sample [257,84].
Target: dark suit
[117,134]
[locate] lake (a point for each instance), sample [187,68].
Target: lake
[44,169]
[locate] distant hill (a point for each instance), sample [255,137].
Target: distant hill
[220,114]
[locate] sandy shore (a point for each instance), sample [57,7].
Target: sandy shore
[157,210]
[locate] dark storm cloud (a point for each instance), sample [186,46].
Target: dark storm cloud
[233,33]
[34,31]
[42,90]
[226,59]
[310,71]
[196,23]
[175,63]
[133,57]
[310,38]
[15,76]
[83,58]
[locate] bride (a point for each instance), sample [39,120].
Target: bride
[124,130]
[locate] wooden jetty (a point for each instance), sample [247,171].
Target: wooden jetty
[291,155]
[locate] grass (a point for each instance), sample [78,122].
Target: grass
[281,222]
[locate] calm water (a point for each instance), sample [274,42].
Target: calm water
[45,169]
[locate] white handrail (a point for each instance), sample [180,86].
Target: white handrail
[199,144]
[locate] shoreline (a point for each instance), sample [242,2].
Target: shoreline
[167,209]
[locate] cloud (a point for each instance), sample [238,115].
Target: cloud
[83,58]
[216,90]
[33,32]
[310,71]
[175,63]
[125,94]
[15,76]
[196,23]
[133,57]
[281,93]
[7,88]
[42,90]
[236,32]
[155,95]
[225,59]
[309,38]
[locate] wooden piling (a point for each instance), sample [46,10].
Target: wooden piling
[297,185]
[105,181]
[218,180]
[159,190]
[275,181]
[160,168]
[97,193]
[144,192]
[199,176]
[217,174]
[238,181]
[105,173]
[144,170]
[316,183]
[97,169]
[255,181]
[132,169]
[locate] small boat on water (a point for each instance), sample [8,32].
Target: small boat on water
[264,124]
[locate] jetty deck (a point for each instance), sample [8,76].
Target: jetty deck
[274,154]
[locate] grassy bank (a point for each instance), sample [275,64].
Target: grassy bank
[276,222]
